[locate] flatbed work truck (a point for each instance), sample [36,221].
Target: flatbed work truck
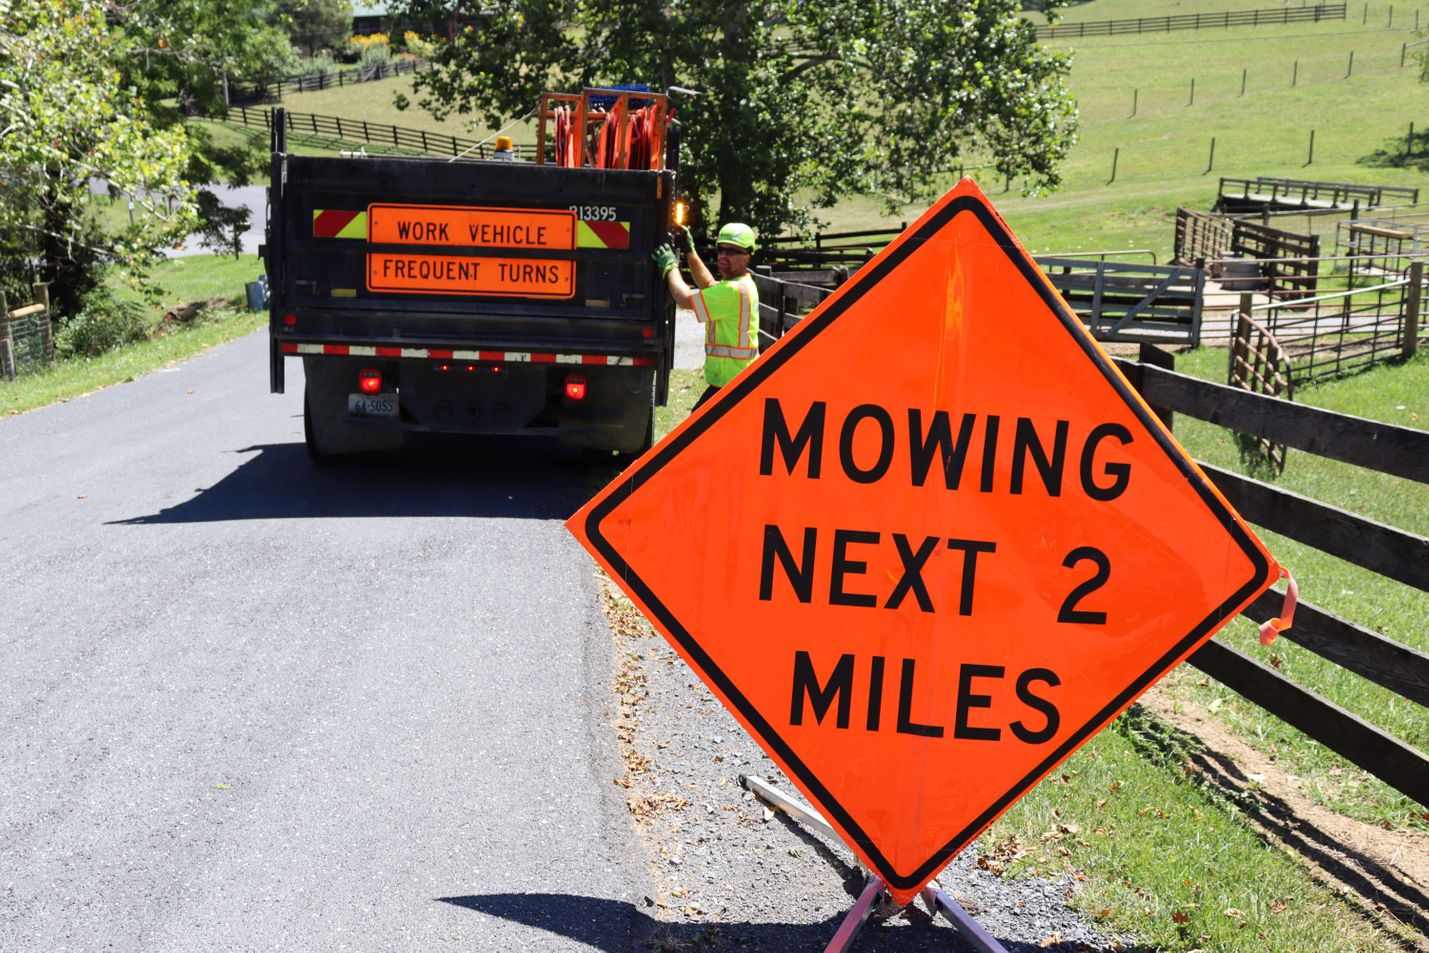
[477,295]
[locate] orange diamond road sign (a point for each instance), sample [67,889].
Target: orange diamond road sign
[929,544]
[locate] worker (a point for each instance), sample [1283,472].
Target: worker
[728,308]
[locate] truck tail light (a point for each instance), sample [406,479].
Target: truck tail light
[575,386]
[289,320]
[369,380]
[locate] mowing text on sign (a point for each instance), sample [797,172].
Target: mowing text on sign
[830,564]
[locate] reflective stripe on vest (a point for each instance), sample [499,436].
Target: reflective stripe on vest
[745,349]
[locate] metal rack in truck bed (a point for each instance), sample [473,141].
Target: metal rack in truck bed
[479,295]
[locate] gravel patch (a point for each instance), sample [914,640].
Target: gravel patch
[728,873]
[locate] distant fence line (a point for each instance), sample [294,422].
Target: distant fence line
[1195,21]
[266,92]
[376,133]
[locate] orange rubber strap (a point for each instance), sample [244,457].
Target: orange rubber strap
[1272,628]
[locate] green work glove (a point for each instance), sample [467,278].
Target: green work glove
[681,235]
[664,258]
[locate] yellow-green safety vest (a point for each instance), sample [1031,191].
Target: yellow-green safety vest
[730,311]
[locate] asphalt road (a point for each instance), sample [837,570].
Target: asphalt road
[250,705]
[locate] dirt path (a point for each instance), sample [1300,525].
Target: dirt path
[1386,872]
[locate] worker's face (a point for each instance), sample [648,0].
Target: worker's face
[731,261]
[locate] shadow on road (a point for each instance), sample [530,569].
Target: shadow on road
[492,478]
[617,927]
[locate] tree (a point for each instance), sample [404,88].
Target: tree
[65,120]
[314,25]
[800,102]
[190,50]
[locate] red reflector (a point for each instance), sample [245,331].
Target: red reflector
[648,332]
[290,319]
[369,381]
[444,367]
[471,367]
[575,386]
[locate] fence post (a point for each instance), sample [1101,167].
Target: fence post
[47,326]
[1134,94]
[1411,309]
[1295,73]
[1243,73]
[1311,157]
[1156,357]
[7,344]
[1351,70]
[1115,155]
[1211,162]
[1192,100]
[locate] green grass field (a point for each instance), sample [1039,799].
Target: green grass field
[1162,153]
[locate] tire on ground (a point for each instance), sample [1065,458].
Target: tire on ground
[326,429]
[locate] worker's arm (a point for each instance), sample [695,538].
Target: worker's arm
[698,271]
[664,258]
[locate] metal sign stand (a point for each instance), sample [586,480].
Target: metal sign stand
[937,899]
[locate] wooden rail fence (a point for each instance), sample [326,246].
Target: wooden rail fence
[1240,194]
[311,82]
[1393,553]
[377,133]
[1195,21]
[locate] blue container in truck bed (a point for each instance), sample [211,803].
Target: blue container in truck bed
[473,296]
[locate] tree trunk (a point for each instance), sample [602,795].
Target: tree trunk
[65,267]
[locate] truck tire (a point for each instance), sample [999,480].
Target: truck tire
[326,431]
[625,458]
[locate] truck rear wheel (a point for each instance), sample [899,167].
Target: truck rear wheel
[626,457]
[327,431]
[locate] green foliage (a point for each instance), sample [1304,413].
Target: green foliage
[103,323]
[314,25]
[800,103]
[321,62]
[68,118]
[221,228]
[418,45]
[371,50]
[187,49]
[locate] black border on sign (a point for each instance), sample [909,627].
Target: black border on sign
[866,279]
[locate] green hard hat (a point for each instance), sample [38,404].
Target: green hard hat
[737,233]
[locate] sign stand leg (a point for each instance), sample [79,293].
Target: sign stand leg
[934,896]
[857,917]
[938,901]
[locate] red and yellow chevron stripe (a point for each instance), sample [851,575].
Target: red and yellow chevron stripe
[602,234]
[341,223]
[338,223]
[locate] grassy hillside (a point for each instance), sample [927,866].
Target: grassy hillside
[1163,151]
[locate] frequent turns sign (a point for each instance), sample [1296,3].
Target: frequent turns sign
[929,544]
[448,226]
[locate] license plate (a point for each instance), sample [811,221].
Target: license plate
[372,405]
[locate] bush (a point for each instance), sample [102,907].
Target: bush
[376,54]
[102,324]
[317,63]
[418,46]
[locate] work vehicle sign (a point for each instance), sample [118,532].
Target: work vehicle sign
[929,544]
[550,229]
[471,227]
[466,275]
